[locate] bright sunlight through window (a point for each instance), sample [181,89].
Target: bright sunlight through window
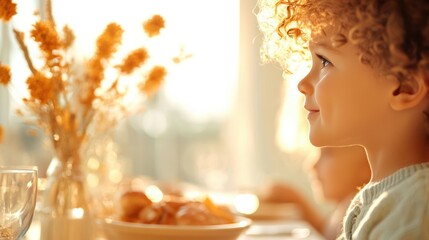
[202,85]
[203,34]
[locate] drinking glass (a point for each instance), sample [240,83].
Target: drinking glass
[18,192]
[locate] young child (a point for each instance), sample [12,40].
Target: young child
[368,85]
[336,175]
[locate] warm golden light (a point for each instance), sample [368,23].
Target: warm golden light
[154,193]
[246,203]
[194,194]
[208,43]
[77,212]
[137,183]
[292,134]
[93,164]
[115,176]
[92,180]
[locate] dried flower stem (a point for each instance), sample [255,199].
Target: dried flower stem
[49,15]
[19,36]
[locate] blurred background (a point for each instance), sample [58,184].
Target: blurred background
[223,120]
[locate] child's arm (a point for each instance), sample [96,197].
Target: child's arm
[283,193]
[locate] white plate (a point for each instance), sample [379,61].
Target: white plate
[118,230]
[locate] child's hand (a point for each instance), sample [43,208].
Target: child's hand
[279,192]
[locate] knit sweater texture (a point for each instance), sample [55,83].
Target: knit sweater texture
[394,208]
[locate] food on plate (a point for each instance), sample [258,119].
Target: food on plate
[132,202]
[172,210]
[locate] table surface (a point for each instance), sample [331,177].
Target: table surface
[281,229]
[260,229]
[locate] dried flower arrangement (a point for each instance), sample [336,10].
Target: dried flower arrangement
[72,104]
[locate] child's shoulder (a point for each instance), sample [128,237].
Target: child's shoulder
[422,176]
[415,186]
[419,179]
[403,193]
[401,211]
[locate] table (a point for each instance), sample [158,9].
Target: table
[260,230]
[281,229]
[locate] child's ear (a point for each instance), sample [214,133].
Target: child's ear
[408,93]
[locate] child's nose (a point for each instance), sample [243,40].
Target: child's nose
[304,86]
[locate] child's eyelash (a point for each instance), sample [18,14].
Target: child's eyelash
[325,62]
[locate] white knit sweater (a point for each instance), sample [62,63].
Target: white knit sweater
[397,207]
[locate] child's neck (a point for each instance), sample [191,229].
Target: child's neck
[385,163]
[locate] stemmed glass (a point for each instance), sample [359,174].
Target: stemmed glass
[18,192]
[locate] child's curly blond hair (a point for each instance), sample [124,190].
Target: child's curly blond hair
[392,36]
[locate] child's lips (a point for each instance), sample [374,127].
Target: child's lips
[311,112]
[311,108]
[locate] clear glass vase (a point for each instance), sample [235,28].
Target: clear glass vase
[65,208]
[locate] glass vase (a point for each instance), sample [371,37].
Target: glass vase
[65,207]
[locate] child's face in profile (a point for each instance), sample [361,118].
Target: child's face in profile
[345,98]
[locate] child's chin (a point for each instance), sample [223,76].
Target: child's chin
[316,141]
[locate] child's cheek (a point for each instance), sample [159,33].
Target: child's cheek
[322,91]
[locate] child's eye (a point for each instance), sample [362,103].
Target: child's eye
[325,62]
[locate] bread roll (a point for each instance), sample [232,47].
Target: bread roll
[132,203]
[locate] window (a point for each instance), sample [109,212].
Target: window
[213,123]
[192,105]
